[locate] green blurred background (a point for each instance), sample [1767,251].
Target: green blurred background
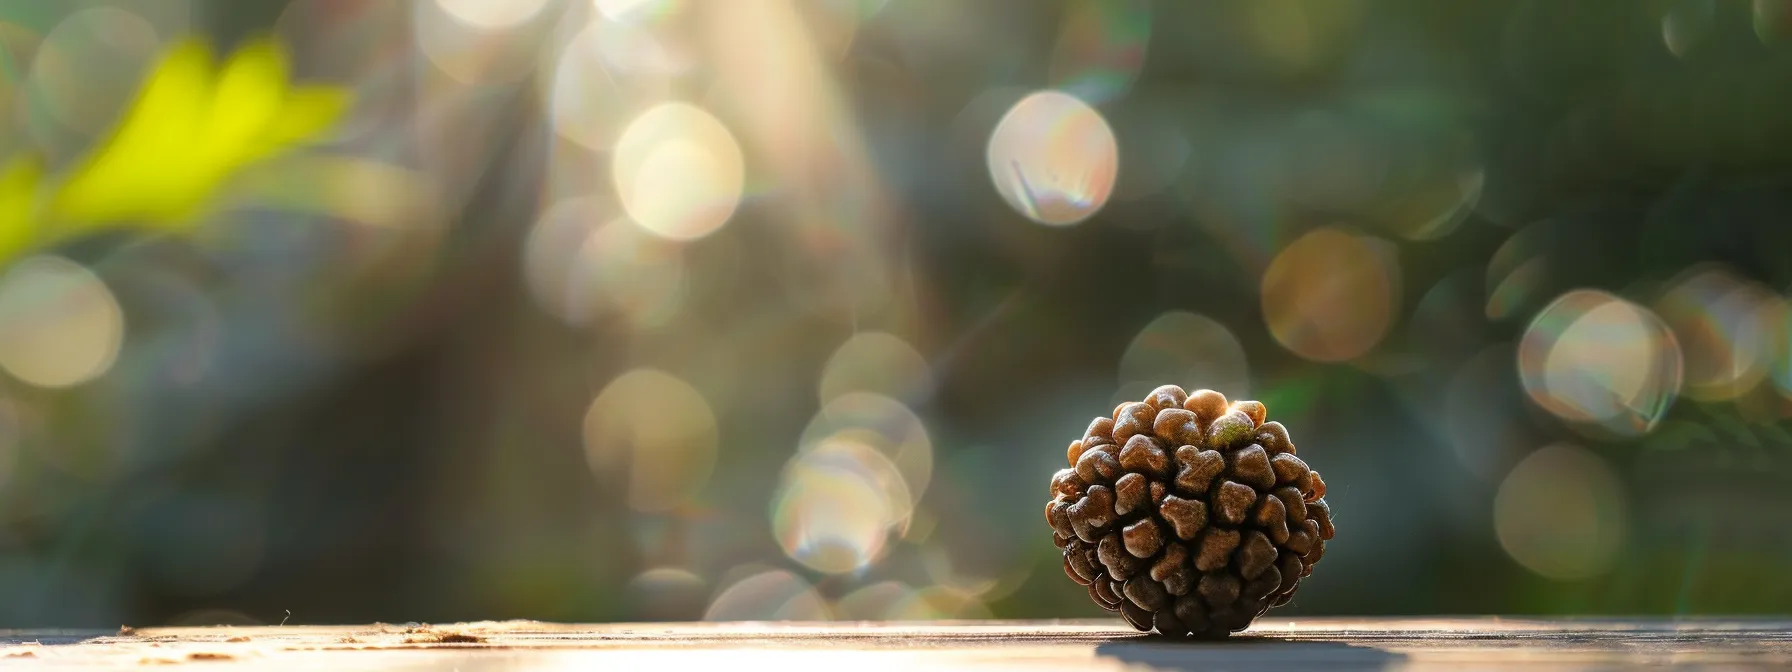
[593,310]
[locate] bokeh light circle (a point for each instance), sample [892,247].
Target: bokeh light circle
[658,430]
[59,323]
[1685,24]
[883,424]
[1561,513]
[837,504]
[1053,158]
[1728,327]
[623,271]
[679,171]
[876,362]
[86,70]
[1329,296]
[663,594]
[606,74]
[1483,415]
[1592,357]
[772,595]
[581,263]
[633,10]
[1183,348]
[492,14]
[478,42]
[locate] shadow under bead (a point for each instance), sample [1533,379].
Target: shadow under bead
[1187,513]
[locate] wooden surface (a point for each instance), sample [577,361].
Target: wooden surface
[1482,643]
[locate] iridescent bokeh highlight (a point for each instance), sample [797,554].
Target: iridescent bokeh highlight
[1053,158]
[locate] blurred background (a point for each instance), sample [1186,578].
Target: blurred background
[593,310]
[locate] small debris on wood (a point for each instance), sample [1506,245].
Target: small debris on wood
[126,631]
[432,636]
[21,654]
[209,655]
[238,639]
[348,639]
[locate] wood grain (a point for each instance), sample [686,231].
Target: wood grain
[1358,644]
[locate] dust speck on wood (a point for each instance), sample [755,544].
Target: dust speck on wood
[209,655]
[126,631]
[238,639]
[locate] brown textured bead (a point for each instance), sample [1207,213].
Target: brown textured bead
[1263,585]
[1188,513]
[1300,541]
[1100,431]
[1187,517]
[1321,513]
[1136,616]
[1144,454]
[1216,549]
[1206,404]
[1191,611]
[1066,483]
[1119,564]
[1166,396]
[1178,426]
[1232,501]
[1288,468]
[1251,409]
[1080,527]
[1274,437]
[1196,468]
[1173,570]
[1142,538]
[1293,502]
[1092,513]
[1291,568]
[1103,592]
[1096,466]
[1074,451]
[1219,589]
[1230,431]
[1146,593]
[1272,516]
[1168,624]
[1072,572]
[1130,492]
[1077,556]
[1133,418]
[1255,554]
[1250,466]
[1057,514]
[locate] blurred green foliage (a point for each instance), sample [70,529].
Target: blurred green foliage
[194,126]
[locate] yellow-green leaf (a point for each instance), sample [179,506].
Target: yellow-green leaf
[18,205]
[251,93]
[308,112]
[145,170]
